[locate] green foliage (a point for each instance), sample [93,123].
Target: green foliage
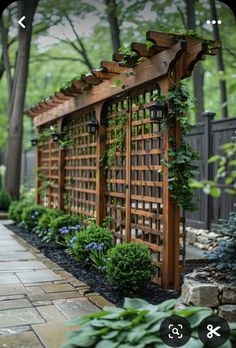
[45,222]
[225,254]
[129,266]
[118,144]
[31,216]
[180,158]
[92,234]
[137,324]
[16,209]
[5,200]
[226,172]
[63,228]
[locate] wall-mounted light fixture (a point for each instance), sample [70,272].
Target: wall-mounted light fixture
[157,111]
[92,126]
[34,141]
[55,136]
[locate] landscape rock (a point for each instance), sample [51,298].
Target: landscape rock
[228,312]
[229,294]
[200,294]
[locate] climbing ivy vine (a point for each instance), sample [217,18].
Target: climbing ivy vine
[180,159]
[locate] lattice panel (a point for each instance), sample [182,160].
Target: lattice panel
[80,166]
[49,172]
[146,178]
[116,172]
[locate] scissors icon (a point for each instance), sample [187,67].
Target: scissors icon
[213,331]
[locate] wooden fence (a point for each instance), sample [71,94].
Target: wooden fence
[207,138]
[131,190]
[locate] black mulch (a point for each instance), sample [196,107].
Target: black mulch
[98,283]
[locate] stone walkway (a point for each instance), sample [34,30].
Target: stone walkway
[37,296]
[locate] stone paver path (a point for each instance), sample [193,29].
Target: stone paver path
[37,296]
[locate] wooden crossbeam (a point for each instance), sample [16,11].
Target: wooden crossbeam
[125,60]
[91,79]
[143,51]
[114,67]
[163,40]
[104,75]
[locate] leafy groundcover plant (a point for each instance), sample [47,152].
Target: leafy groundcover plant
[63,228]
[31,215]
[44,224]
[92,244]
[135,325]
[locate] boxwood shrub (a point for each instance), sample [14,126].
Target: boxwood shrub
[5,200]
[91,235]
[45,222]
[31,216]
[16,209]
[63,228]
[129,266]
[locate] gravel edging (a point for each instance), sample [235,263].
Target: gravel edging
[151,292]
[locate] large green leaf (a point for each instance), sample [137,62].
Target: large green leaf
[188,311]
[107,344]
[195,319]
[167,305]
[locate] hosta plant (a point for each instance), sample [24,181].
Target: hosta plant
[135,325]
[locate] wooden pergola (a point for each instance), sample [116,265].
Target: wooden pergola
[133,191]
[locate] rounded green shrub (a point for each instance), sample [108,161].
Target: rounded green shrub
[31,216]
[91,234]
[129,266]
[64,226]
[44,223]
[5,200]
[16,210]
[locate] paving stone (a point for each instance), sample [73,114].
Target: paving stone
[38,284]
[52,335]
[53,296]
[41,303]
[7,278]
[12,289]
[11,297]
[51,314]
[23,340]
[35,290]
[52,265]
[57,288]
[20,316]
[20,255]
[77,283]
[20,265]
[83,290]
[99,300]
[10,304]
[76,307]
[64,274]
[229,294]
[37,276]
[200,294]
[14,330]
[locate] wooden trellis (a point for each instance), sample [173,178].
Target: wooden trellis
[133,189]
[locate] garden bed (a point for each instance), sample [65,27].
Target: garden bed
[97,281]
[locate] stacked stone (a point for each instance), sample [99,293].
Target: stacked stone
[198,292]
[203,239]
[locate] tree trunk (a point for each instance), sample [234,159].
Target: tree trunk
[114,25]
[13,164]
[198,71]
[220,61]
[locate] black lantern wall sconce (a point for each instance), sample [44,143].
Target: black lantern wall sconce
[157,111]
[34,141]
[92,126]
[55,136]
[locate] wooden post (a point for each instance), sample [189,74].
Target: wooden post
[209,116]
[170,274]
[38,181]
[61,164]
[128,170]
[100,111]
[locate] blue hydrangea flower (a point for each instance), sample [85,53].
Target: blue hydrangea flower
[64,230]
[100,246]
[72,242]
[91,246]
